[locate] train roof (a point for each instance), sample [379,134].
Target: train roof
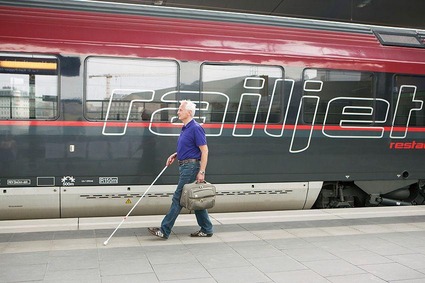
[377,12]
[127,7]
[394,13]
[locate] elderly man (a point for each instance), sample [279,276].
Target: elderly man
[192,155]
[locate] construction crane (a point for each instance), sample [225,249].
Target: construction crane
[108,80]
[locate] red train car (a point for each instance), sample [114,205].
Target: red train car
[299,113]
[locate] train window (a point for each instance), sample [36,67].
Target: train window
[340,94]
[243,93]
[408,93]
[128,89]
[28,87]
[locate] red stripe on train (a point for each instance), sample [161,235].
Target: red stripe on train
[207,126]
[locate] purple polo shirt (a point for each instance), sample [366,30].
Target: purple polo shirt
[191,137]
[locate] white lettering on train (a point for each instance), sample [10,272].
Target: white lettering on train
[362,111]
[398,109]
[302,132]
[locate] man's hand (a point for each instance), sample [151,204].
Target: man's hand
[200,178]
[171,159]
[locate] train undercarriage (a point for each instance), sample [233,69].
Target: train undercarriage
[374,193]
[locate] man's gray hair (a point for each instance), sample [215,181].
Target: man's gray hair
[190,106]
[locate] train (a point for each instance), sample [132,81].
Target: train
[299,113]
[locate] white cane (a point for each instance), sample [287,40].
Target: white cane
[125,218]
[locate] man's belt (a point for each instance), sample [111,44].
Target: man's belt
[181,162]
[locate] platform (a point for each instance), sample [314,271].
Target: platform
[385,244]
